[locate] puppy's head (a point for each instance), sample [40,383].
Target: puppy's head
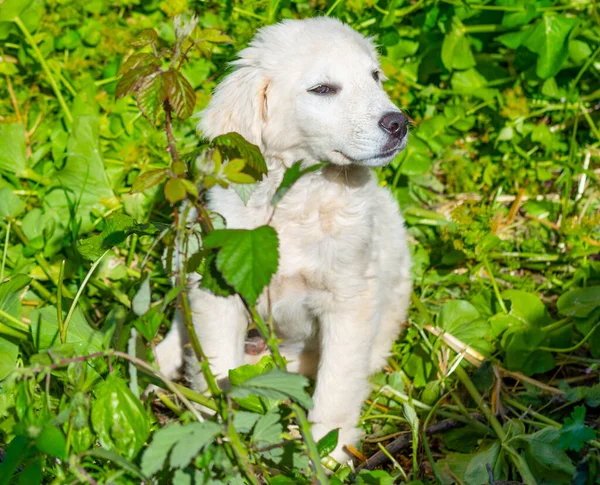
[310,88]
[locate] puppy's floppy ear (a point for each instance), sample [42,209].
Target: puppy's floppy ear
[238,104]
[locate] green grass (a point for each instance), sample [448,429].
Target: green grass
[499,188]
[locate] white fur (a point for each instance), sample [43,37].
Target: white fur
[341,293]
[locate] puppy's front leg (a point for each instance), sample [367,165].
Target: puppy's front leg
[342,379]
[220,325]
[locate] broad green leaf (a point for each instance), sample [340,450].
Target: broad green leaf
[175,190]
[32,474]
[574,433]
[155,456]
[290,177]
[462,320]
[8,357]
[150,94]
[214,36]
[233,145]
[579,302]
[473,83]
[244,421]
[11,205]
[328,442]
[247,259]
[45,331]
[545,456]
[119,418]
[549,40]
[149,179]
[276,385]
[212,279]
[491,454]
[529,11]
[12,148]
[522,355]
[456,49]
[51,440]
[11,9]
[181,94]
[198,436]
[527,308]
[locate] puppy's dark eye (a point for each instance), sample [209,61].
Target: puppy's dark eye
[375,75]
[323,89]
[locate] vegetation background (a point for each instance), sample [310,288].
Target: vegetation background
[497,377]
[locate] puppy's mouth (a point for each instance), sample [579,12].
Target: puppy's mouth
[373,159]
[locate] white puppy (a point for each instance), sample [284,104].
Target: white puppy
[311,90]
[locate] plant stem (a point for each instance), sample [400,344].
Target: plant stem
[45,67]
[5,251]
[490,273]
[313,452]
[59,316]
[22,327]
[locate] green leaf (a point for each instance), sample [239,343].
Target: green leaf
[512,19]
[150,94]
[574,433]
[130,81]
[247,259]
[14,456]
[198,436]
[233,145]
[145,37]
[476,469]
[11,9]
[140,304]
[548,40]
[149,179]
[591,395]
[8,357]
[134,61]
[290,177]
[456,48]
[268,429]
[45,331]
[579,302]
[214,36]
[521,351]
[119,418]
[544,455]
[181,94]
[51,440]
[175,190]
[244,421]
[12,148]
[328,442]
[163,440]
[462,320]
[276,385]
[116,230]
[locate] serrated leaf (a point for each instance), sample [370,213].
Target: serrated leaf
[134,61]
[247,259]
[542,450]
[275,384]
[290,177]
[234,145]
[181,94]
[119,418]
[212,279]
[145,37]
[214,36]
[163,440]
[132,79]
[574,433]
[149,179]
[198,436]
[244,421]
[268,429]
[150,95]
[175,190]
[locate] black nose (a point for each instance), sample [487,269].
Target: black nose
[394,123]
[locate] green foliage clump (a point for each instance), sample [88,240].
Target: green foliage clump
[498,185]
